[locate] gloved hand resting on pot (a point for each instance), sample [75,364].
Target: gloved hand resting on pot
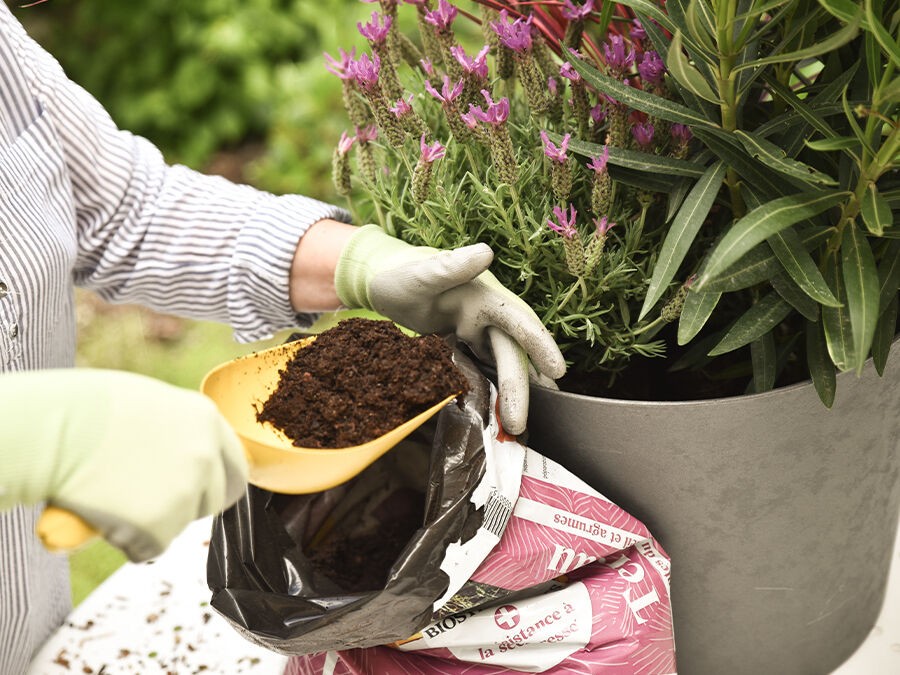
[432,291]
[135,458]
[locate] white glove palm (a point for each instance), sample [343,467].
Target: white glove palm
[135,458]
[432,291]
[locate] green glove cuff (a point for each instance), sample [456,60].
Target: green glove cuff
[33,431]
[365,254]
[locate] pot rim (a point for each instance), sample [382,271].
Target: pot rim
[725,400]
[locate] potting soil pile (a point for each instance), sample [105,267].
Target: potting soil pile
[460,551]
[357,381]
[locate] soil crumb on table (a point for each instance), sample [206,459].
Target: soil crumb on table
[357,381]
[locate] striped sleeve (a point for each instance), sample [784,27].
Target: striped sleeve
[166,236]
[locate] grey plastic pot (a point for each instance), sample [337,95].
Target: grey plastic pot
[778,513]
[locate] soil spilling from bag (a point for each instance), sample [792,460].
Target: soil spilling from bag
[357,381]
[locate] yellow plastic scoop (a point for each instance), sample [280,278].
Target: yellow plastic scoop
[275,463]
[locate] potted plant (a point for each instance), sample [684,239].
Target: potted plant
[697,197]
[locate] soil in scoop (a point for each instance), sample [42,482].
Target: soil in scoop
[358,381]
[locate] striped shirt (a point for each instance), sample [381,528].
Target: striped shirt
[85,204]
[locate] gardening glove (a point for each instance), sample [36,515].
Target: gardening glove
[433,291]
[133,457]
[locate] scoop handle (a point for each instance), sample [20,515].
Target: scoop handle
[61,530]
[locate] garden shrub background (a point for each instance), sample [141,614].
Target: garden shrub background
[235,87]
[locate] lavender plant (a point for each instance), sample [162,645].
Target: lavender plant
[687,177]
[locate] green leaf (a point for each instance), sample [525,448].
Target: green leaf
[686,74]
[651,9]
[791,253]
[759,9]
[700,24]
[762,356]
[762,317]
[760,264]
[835,40]
[845,10]
[873,58]
[889,274]
[630,159]
[655,106]
[762,223]
[655,182]
[771,155]
[891,91]
[836,320]
[698,307]
[854,125]
[696,355]
[885,332]
[821,369]
[677,11]
[677,196]
[728,148]
[861,281]
[789,97]
[756,266]
[681,234]
[876,212]
[796,298]
[888,43]
[834,143]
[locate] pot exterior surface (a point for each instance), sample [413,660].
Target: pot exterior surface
[779,514]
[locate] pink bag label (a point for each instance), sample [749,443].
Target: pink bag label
[558,580]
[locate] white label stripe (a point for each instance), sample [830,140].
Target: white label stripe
[564,521]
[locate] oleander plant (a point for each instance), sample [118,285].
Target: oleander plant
[706,186]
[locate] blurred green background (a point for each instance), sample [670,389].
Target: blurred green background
[234,87]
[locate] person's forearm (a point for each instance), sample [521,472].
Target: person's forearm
[312,270]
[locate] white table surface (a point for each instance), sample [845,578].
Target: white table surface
[154,618]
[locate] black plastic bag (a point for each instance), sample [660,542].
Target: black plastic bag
[266,571]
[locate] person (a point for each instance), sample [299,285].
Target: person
[83,203]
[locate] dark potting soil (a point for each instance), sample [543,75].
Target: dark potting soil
[357,381]
[360,561]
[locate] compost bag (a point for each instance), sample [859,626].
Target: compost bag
[460,550]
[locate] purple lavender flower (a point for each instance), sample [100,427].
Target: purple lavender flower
[681,133]
[448,93]
[574,12]
[598,114]
[496,113]
[427,66]
[643,134]
[341,67]
[617,58]
[598,163]
[473,66]
[345,143]
[366,134]
[603,225]
[552,86]
[377,29]
[365,71]
[637,32]
[567,71]
[652,68]
[430,152]
[442,17]
[565,224]
[557,154]
[470,118]
[516,35]
[402,107]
